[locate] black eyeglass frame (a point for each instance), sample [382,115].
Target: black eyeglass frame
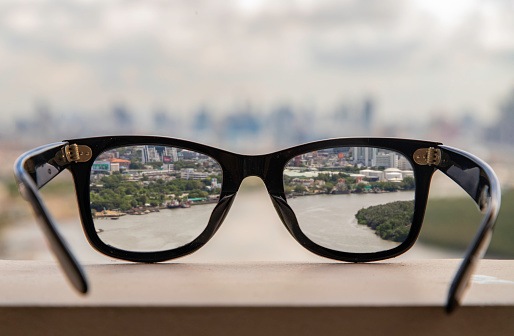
[37,167]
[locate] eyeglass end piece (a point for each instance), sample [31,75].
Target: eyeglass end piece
[427,156]
[73,153]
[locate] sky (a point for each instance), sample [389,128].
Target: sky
[415,58]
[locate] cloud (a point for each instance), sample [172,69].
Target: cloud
[186,53]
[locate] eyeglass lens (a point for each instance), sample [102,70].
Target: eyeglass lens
[352,199]
[152,198]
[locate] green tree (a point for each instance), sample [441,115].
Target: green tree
[142,200]
[288,190]
[408,183]
[300,188]
[328,187]
[390,186]
[155,165]
[136,164]
[360,187]
[390,221]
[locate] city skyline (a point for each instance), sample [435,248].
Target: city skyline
[249,129]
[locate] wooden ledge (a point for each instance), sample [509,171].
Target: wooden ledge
[255,298]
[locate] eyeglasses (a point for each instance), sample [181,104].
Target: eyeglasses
[150,199]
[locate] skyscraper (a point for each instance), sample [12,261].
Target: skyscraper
[365,156]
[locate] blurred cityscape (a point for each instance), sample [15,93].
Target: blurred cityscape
[248,128]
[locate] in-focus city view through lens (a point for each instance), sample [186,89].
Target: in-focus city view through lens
[352,199]
[131,189]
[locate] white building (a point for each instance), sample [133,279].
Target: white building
[153,155]
[387,160]
[149,154]
[393,175]
[373,174]
[171,152]
[191,174]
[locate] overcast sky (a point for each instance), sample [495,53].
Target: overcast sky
[414,57]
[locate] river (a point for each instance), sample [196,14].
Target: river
[328,220]
[157,231]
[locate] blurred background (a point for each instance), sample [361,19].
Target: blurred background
[253,76]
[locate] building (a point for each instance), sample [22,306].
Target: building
[152,154]
[365,156]
[305,182]
[393,175]
[149,154]
[171,152]
[387,160]
[120,162]
[191,174]
[403,163]
[407,173]
[373,175]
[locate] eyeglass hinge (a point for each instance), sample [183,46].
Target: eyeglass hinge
[73,153]
[427,156]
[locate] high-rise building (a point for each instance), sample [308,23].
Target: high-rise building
[367,115]
[153,154]
[404,164]
[149,154]
[171,152]
[365,156]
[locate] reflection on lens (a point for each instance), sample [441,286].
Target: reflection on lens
[152,198]
[352,199]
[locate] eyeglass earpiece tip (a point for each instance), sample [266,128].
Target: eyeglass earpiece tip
[451,305]
[81,286]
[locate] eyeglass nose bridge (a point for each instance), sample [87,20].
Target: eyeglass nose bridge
[268,169]
[253,166]
[238,167]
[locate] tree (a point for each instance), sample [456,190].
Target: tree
[408,183]
[300,189]
[197,193]
[390,221]
[136,164]
[142,199]
[328,187]
[155,165]
[390,186]
[360,187]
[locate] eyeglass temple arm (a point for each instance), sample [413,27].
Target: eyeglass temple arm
[478,179]
[33,170]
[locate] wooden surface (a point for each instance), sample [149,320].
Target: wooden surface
[255,298]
